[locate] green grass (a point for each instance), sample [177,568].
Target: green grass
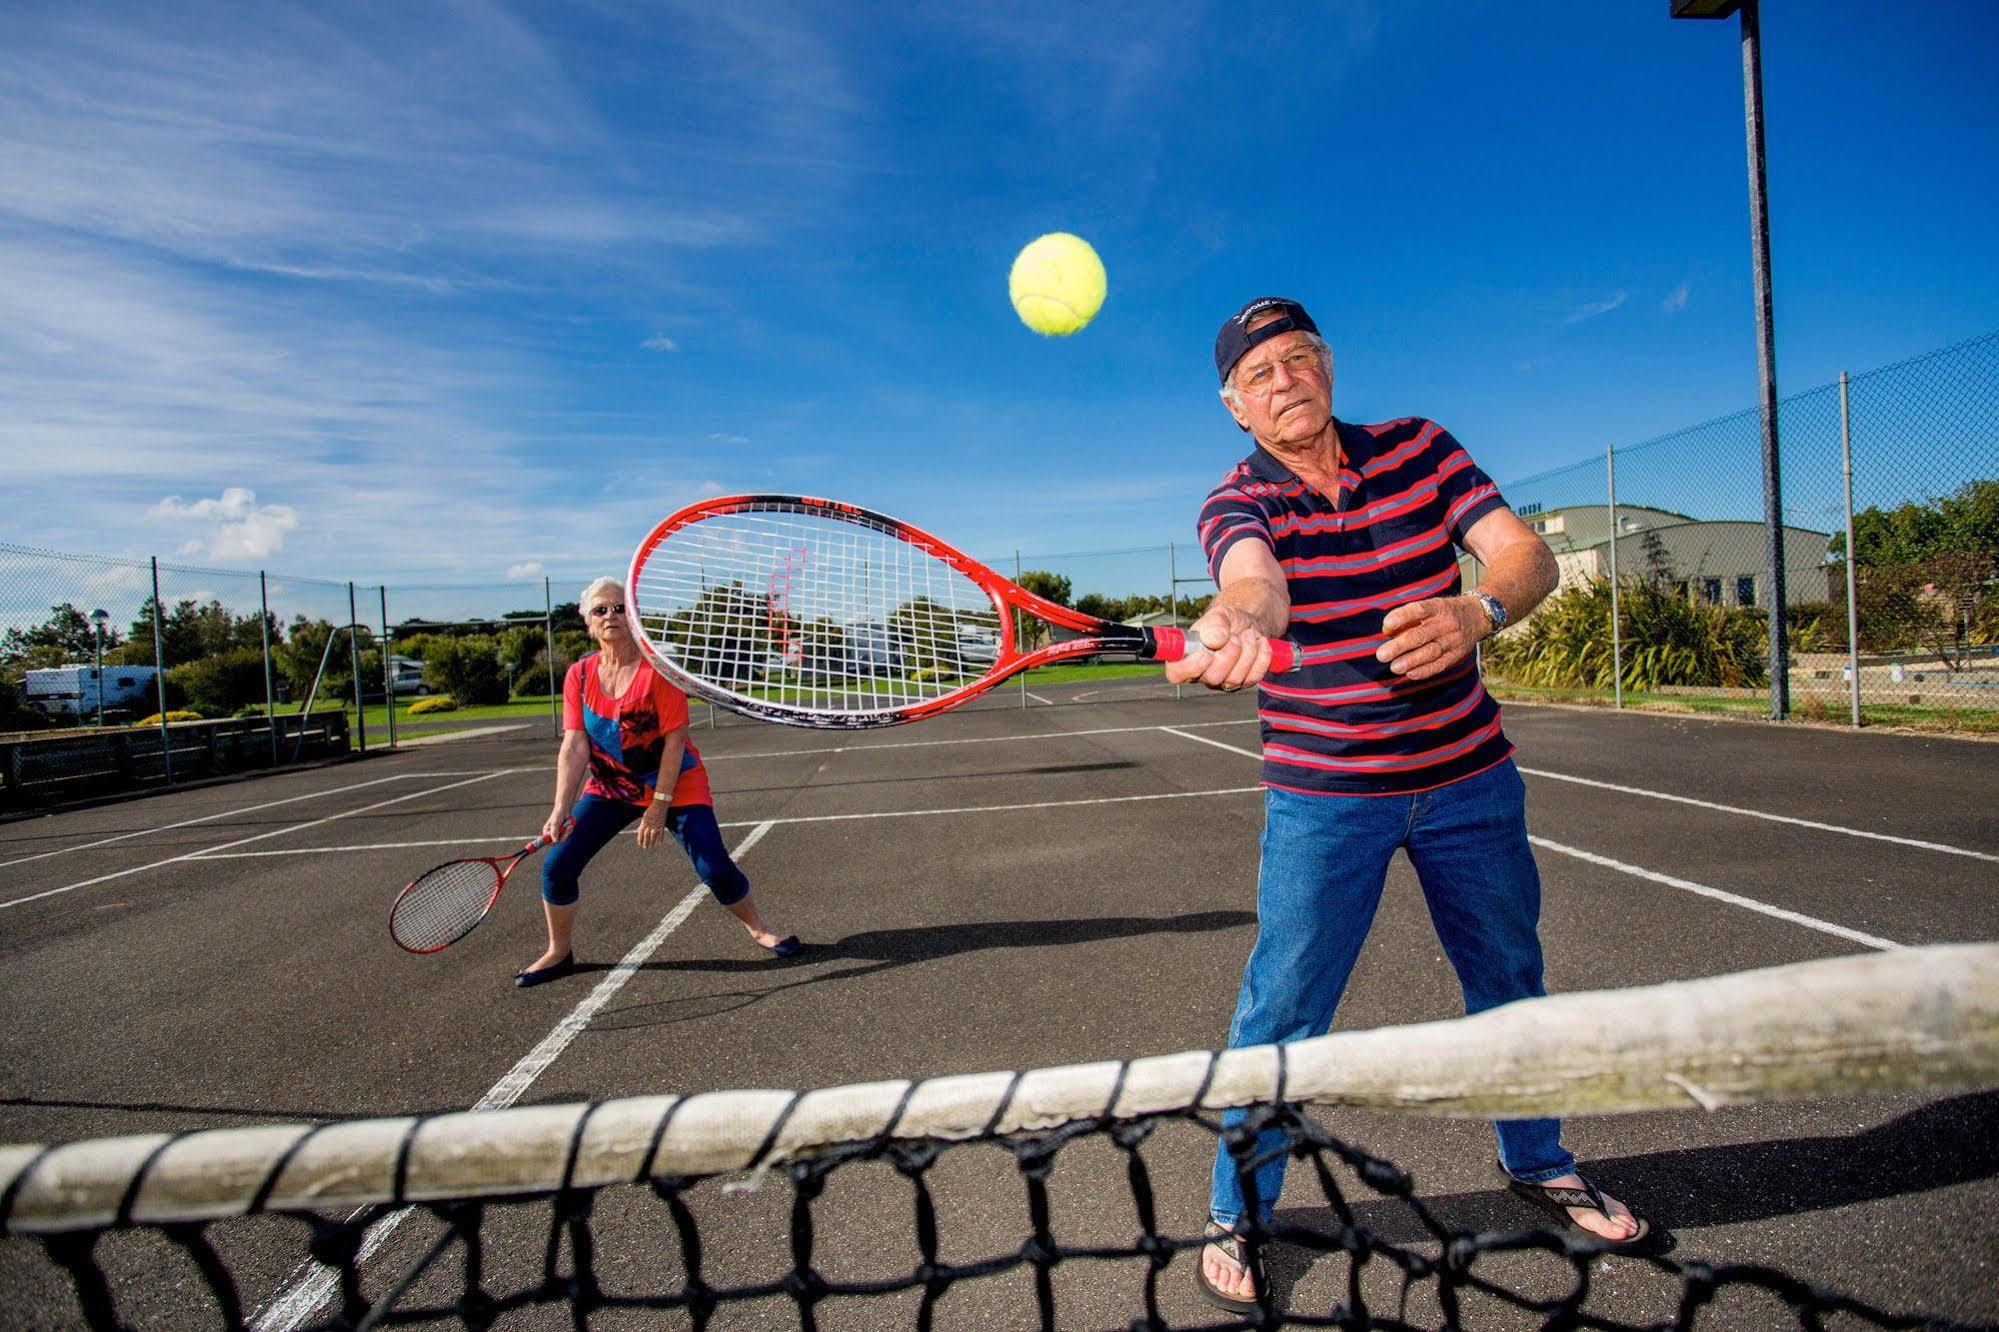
[378,717]
[1053,675]
[1809,707]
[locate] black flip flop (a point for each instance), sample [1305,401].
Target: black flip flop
[1556,1202]
[1231,1244]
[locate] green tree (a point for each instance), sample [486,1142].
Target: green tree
[66,635]
[1053,586]
[468,669]
[1926,573]
[224,682]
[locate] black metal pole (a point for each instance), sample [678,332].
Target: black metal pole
[160,679]
[1766,357]
[270,701]
[354,664]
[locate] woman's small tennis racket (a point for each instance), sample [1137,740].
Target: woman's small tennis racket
[445,904]
[810,612]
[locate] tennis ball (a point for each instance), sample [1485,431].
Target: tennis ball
[1057,284]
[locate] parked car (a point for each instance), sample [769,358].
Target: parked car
[406,675]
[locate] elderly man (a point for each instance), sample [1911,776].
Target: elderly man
[1343,537]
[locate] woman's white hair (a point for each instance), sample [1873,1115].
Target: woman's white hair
[1234,399]
[597,585]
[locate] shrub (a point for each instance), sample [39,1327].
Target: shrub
[435,703]
[225,682]
[1667,640]
[468,669]
[177,715]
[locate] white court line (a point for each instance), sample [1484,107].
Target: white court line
[1944,847]
[1684,885]
[1733,899]
[779,823]
[1046,702]
[303,1297]
[245,841]
[210,818]
[964,740]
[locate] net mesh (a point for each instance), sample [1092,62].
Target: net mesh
[614,1212]
[442,905]
[835,615]
[480,1263]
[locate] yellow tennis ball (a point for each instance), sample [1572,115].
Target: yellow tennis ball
[1057,284]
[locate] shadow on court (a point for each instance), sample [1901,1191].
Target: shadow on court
[885,950]
[1946,1143]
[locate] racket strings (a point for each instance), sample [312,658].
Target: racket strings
[444,904]
[788,605]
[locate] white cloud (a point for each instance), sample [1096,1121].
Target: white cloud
[526,569]
[1595,308]
[236,526]
[660,342]
[1676,301]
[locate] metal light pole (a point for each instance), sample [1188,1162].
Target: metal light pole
[1766,344]
[98,619]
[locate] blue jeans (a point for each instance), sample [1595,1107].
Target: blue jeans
[599,820]
[1325,859]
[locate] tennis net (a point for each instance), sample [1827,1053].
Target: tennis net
[617,1212]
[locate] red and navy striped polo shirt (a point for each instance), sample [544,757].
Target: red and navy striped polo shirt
[1344,724]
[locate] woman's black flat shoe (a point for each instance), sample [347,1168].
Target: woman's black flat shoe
[525,979]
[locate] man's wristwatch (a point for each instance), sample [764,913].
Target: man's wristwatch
[1495,611]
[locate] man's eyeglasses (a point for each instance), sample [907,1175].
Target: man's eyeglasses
[1259,379]
[599,612]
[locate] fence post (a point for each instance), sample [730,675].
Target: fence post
[160,679]
[354,664]
[270,690]
[1616,628]
[388,666]
[1173,594]
[1017,625]
[1852,606]
[548,626]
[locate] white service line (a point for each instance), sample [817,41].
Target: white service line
[1733,899]
[1046,702]
[1684,885]
[310,1286]
[1233,749]
[963,740]
[1944,847]
[515,839]
[210,818]
[245,841]
[777,823]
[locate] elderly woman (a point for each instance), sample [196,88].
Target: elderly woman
[625,746]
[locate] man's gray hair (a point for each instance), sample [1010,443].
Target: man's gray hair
[597,585]
[1234,399]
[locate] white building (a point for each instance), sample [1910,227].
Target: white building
[1724,563]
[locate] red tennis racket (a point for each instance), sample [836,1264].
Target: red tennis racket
[445,904]
[810,612]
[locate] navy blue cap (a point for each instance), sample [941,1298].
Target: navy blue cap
[1235,339]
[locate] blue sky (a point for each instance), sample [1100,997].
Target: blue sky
[465,291]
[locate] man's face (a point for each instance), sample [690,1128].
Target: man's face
[1284,390]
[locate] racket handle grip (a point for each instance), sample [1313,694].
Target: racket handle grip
[1177,645]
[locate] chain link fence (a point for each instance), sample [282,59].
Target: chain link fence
[1668,575]
[134,671]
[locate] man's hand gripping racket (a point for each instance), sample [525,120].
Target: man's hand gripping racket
[445,904]
[811,612]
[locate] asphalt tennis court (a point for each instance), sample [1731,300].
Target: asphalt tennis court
[998,888]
